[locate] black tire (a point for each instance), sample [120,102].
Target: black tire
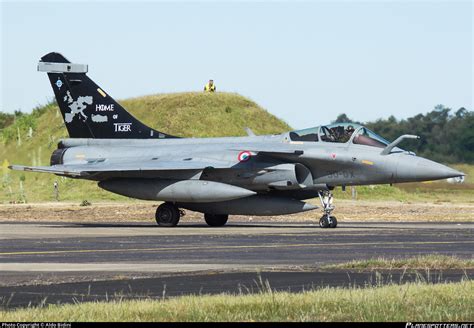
[167,215]
[216,220]
[324,222]
[333,223]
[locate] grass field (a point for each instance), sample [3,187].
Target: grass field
[426,262]
[409,302]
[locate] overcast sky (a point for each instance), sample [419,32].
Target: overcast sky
[305,62]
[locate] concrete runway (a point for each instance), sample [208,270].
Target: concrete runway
[195,257]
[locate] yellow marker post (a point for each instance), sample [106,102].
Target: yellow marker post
[5,166]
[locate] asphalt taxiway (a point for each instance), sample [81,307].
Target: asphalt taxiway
[58,261]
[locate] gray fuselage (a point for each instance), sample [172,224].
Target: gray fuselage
[330,164]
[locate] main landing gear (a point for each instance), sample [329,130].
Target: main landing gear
[216,220]
[168,215]
[327,220]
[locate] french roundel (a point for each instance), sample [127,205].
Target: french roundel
[244,156]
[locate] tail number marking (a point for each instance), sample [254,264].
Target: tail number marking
[342,174]
[123,127]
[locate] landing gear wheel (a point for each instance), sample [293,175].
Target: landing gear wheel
[327,221]
[333,223]
[324,222]
[216,220]
[167,215]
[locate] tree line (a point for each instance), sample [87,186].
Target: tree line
[446,135]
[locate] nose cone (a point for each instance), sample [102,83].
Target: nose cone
[422,169]
[429,170]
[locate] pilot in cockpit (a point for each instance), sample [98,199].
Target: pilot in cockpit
[345,134]
[349,131]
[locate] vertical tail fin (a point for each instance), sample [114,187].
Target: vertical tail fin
[88,111]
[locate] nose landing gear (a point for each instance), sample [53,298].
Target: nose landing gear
[327,220]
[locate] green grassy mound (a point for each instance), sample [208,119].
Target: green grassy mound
[32,138]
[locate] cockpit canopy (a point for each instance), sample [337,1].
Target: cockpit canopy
[340,133]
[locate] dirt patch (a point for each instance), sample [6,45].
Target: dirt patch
[346,210]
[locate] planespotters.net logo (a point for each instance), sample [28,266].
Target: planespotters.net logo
[439,325]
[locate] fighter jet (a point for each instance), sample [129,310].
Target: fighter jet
[251,175]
